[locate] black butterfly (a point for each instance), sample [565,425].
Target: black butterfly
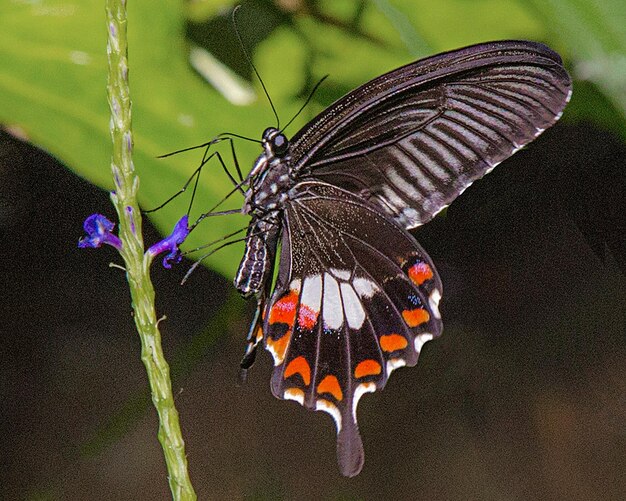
[355,295]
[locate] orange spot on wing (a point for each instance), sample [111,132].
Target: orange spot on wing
[393,342]
[259,333]
[307,317]
[299,365]
[284,310]
[415,317]
[367,368]
[420,272]
[279,346]
[330,384]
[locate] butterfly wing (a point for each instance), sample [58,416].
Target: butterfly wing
[356,297]
[412,140]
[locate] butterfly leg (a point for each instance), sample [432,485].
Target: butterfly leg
[235,160]
[237,184]
[195,177]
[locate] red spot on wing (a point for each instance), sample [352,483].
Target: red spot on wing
[299,365]
[330,384]
[415,317]
[284,310]
[307,317]
[420,272]
[367,368]
[393,342]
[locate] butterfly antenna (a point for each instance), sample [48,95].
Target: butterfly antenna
[219,138]
[308,99]
[243,48]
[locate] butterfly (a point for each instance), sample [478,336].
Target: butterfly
[345,293]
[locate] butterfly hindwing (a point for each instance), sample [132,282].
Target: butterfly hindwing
[356,298]
[412,140]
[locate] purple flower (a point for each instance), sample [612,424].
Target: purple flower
[171,243]
[98,229]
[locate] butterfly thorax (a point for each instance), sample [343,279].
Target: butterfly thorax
[268,186]
[269,180]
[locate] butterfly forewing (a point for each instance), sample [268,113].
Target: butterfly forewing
[412,140]
[359,300]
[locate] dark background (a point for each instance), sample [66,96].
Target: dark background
[524,397]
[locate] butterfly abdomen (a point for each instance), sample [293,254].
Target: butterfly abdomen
[257,262]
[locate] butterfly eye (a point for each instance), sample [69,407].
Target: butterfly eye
[280,145]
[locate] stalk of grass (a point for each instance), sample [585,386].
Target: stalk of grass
[137,261]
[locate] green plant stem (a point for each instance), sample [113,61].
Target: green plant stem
[137,262]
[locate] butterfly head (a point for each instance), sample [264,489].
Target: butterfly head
[275,142]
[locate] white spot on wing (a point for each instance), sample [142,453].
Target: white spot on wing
[364,287]
[326,406]
[355,315]
[420,340]
[341,274]
[361,390]
[295,285]
[433,302]
[294,394]
[312,292]
[393,364]
[277,359]
[332,309]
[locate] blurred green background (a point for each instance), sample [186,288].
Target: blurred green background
[523,398]
[53,73]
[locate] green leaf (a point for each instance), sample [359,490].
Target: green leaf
[595,36]
[456,23]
